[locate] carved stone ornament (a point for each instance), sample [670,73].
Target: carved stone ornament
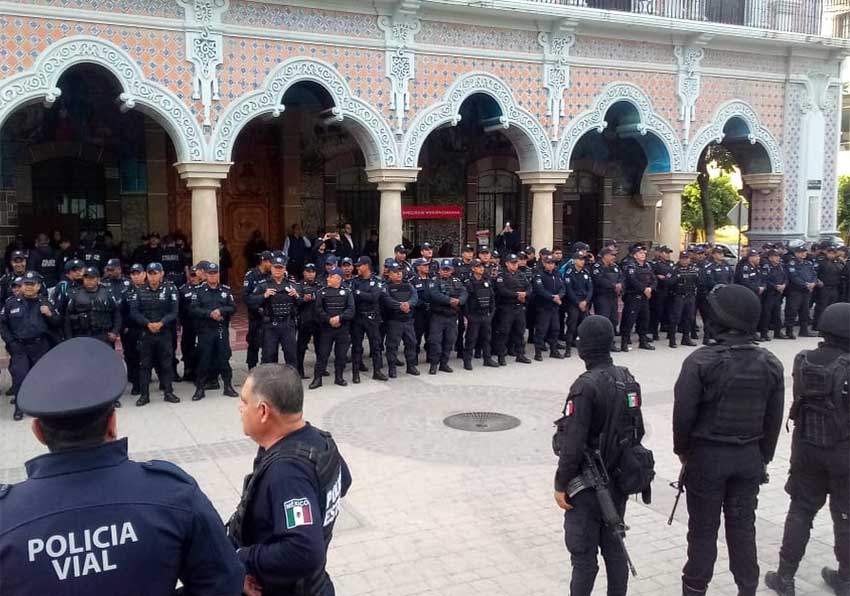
[594,119]
[688,58]
[713,133]
[817,93]
[556,73]
[524,130]
[204,48]
[41,83]
[399,31]
[367,125]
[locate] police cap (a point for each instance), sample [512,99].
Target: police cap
[529,250]
[113,264]
[335,271]
[310,267]
[202,265]
[717,250]
[394,266]
[447,264]
[511,258]
[468,248]
[752,253]
[420,262]
[278,262]
[700,250]
[772,253]
[579,256]
[347,261]
[389,260]
[477,263]
[17,281]
[685,254]
[400,248]
[31,277]
[607,251]
[266,255]
[73,264]
[331,260]
[426,246]
[91,272]
[44,394]
[157,267]
[548,259]
[364,260]
[212,268]
[495,254]
[635,248]
[835,320]
[483,249]
[139,268]
[18,255]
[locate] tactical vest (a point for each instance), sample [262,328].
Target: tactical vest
[402,292]
[368,285]
[154,304]
[450,287]
[421,286]
[335,300]
[90,313]
[327,465]
[480,295]
[515,282]
[278,308]
[307,309]
[686,281]
[821,408]
[737,396]
[612,274]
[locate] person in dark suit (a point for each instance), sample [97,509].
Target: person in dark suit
[346,246]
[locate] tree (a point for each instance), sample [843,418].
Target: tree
[721,157]
[722,196]
[844,204]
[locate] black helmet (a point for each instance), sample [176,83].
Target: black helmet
[835,321]
[797,244]
[734,307]
[596,334]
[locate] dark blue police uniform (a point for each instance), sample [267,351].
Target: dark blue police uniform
[213,335]
[400,324]
[798,304]
[547,285]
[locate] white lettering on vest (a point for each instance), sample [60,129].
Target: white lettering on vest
[78,554]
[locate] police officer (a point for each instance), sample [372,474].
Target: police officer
[114,279]
[335,307]
[463,266]
[820,453]
[73,279]
[589,410]
[19,268]
[43,260]
[426,251]
[713,273]
[829,271]
[276,299]
[802,281]
[284,523]
[131,332]
[422,313]
[727,413]
[367,290]
[347,267]
[120,527]
[400,254]
[658,304]
[682,300]
[607,286]
[549,292]
[25,326]
[153,307]
[255,319]
[447,296]
[639,283]
[775,281]
[308,318]
[513,291]
[93,311]
[399,301]
[173,263]
[579,294]
[189,332]
[750,274]
[480,306]
[211,308]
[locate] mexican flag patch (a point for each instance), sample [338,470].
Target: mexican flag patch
[298,513]
[634,399]
[570,408]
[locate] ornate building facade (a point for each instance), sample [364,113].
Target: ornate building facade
[572,119]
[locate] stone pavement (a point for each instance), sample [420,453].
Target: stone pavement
[442,512]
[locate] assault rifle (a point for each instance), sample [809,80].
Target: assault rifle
[596,477]
[680,487]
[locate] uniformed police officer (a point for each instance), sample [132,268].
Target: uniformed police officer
[255,318]
[658,304]
[480,306]
[750,274]
[19,268]
[43,260]
[447,296]
[131,331]
[400,255]
[802,281]
[211,308]
[682,300]
[153,307]
[367,290]
[422,313]
[639,282]
[549,292]
[26,322]
[308,319]
[188,330]
[578,286]
[276,299]
[284,523]
[335,307]
[73,279]
[727,413]
[120,527]
[589,410]
[92,310]
[820,453]
[829,272]
[399,301]
[713,273]
[607,287]
[513,291]
[775,281]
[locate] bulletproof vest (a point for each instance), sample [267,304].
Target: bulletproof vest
[612,274]
[335,300]
[821,408]
[686,280]
[421,286]
[90,312]
[401,292]
[829,272]
[307,310]
[327,465]
[154,304]
[171,260]
[643,274]
[450,287]
[365,285]
[737,392]
[279,307]
[661,267]
[480,295]
[515,282]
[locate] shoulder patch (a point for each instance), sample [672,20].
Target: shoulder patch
[569,408]
[159,466]
[298,513]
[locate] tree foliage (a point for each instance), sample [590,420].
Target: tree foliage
[722,196]
[720,157]
[844,204]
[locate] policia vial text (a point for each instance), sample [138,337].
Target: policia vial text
[74,555]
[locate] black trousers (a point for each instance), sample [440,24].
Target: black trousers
[817,472]
[531,319]
[338,339]
[546,326]
[827,296]
[478,331]
[574,318]
[509,330]
[422,326]
[23,356]
[254,338]
[723,477]
[658,307]
[371,328]
[585,535]
[606,306]
[441,338]
[461,331]
[213,354]
[797,306]
[771,312]
[155,351]
[635,314]
[704,313]
[279,335]
[307,330]
[188,347]
[172,332]
[398,331]
[130,346]
[681,312]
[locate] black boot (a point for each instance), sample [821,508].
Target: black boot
[18,415]
[789,333]
[135,390]
[412,370]
[379,376]
[361,367]
[391,370]
[764,336]
[444,367]
[316,383]
[538,354]
[212,385]
[777,334]
[229,390]
[467,364]
[355,375]
[687,341]
[478,353]
[502,361]
[144,399]
[489,362]
[170,397]
[782,585]
[338,380]
[840,586]
[624,344]
[199,392]
[614,346]
[689,591]
[523,359]
[672,341]
[804,332]
[553,353]
[433,369]
[644,343]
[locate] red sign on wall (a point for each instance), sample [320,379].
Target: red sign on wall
[432,212]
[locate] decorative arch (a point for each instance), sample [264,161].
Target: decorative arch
[756,133]
[594,118]
[364,122]
[39,83]
[520,126]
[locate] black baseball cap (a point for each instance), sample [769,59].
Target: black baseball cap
[364,260]
[157,267]
[400,248]
[139,268]
[18,254]
[91,272]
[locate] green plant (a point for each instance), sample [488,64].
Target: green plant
[844,204]
[722,196]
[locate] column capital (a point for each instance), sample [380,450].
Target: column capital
[203,174]
[544,180]
[392,179]
[764,183]
[672,182]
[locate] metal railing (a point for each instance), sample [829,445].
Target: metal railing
[794,16]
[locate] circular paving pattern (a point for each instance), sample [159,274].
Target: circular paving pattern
[481,422]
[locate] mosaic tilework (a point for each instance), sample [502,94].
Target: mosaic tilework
[587,83]
[830,162]
[296,18]
[247,62]
[767,98]
[795,95]
[471,36]
[743,61]
[151,8]
[614,49]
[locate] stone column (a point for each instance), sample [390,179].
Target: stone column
[542,186]
[391,183]
[763,187]
[204,180]
[671,185]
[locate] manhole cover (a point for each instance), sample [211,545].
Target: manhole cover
[481,422]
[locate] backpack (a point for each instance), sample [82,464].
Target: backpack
[820,410]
